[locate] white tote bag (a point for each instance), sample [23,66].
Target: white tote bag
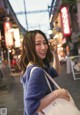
[59,106]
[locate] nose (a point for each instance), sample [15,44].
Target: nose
[43,46]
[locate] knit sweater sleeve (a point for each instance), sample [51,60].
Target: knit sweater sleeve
[52,72]
[36,90]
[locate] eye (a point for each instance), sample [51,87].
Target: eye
[45,42]
[38,43]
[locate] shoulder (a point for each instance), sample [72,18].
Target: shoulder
[52,72]
[32,73]
[36,71]
[37,77]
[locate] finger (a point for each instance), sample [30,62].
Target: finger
[67,95]
[53,42]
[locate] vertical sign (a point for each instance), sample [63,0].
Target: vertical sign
[17,37]
[8,35]
[65,21]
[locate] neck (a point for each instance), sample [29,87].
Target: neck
[29,64]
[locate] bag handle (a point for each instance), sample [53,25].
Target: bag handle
[52,80]
[57,86]
[48,76]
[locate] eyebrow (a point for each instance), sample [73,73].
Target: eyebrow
[40,41]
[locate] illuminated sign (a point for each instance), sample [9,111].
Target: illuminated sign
[65,21]
[17,37]
[8,35]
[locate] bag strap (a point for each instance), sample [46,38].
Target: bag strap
[48,83]
[52,80]
[48,76]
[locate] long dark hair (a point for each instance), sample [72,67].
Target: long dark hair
[29,53]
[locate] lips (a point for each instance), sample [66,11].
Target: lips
[43,53]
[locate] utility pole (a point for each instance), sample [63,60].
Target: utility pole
[25,14]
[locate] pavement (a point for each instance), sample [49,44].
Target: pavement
[11,92]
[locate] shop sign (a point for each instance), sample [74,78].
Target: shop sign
[17,37]
[65,21]
[8,35]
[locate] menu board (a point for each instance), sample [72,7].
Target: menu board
[75,66]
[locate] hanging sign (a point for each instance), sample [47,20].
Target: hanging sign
[8,34]
[65,21]
[17,37]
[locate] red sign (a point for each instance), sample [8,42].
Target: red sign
[65,21]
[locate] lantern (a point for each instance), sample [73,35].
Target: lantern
[8,34]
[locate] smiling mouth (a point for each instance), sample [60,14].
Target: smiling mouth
[43,53]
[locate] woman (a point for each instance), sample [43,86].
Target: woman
[36,51]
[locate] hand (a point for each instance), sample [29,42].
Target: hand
[53,45]
[62,93]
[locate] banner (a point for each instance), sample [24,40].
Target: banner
[8,34]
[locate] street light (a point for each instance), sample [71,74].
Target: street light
[50,32]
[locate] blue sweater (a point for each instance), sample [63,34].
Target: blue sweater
[35,88]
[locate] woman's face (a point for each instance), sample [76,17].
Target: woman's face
[41,46]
